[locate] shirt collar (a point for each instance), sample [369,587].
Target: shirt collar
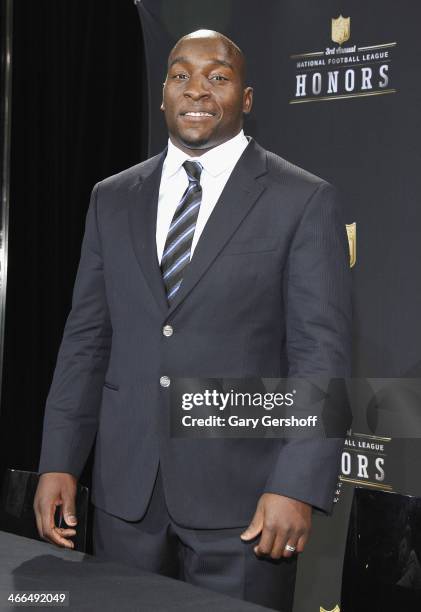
[215,161]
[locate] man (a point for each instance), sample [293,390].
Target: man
[215,258]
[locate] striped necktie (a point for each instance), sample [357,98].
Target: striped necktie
[177,250]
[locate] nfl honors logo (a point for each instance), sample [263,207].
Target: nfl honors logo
[342,71]
[341,29]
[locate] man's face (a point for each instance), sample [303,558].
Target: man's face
[204,97]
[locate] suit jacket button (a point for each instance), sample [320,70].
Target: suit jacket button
[167,330]
[165,381]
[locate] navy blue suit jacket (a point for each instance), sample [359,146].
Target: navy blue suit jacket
[267,294]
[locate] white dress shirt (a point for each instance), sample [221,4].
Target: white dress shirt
[218,163]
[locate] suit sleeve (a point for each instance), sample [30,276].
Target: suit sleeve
[72,408]
[318,305]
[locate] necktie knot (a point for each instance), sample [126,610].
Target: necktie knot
[193,170]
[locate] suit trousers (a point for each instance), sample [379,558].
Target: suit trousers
[216,559]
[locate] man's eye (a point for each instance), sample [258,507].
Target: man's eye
[218,77]
[180,76]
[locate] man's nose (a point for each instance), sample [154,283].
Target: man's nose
[197,87]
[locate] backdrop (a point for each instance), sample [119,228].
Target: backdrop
[77,117]
[337,92]
[78,109]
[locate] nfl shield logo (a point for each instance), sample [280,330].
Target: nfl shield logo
[341,29]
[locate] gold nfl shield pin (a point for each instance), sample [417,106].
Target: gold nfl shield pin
[341,29]
[335,609]
[351,231]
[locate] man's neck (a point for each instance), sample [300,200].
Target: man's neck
[191,152]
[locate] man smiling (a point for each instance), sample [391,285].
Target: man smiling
[205,95]
[215,258]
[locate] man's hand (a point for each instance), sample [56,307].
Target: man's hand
[281,521]
[56,489]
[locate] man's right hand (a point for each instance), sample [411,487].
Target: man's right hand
[56,489]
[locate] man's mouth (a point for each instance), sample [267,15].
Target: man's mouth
[197,114]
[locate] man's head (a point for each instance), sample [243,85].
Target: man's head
[205,96]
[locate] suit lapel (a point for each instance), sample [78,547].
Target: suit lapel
[239,195]
[143,210]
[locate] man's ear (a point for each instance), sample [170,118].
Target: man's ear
[162,107]
[247,100]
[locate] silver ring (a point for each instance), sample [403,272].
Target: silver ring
[290,548]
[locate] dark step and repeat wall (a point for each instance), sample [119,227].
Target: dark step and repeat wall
[337,91]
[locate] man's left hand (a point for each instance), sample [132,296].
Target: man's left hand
[281,521]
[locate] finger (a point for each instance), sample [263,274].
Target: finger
[278,548]
[293,543]
[38,521]
[46,513]
[54,536]
[302,541]
[265,545]
[49,530]
[69,508]
[66,533]
[255,526]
